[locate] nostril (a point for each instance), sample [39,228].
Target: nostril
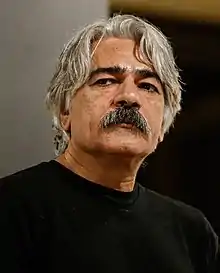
[128,104]
[122,103]
[135,105]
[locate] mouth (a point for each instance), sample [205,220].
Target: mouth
[125,125]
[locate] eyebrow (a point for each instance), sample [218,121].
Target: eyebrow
[115,70]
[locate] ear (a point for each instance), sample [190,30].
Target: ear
[65,121]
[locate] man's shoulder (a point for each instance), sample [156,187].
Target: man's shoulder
[187,216]
[24,180]
[30,172]
[171,205]
[192,223]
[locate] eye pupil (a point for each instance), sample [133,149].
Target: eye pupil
[104,81]
[148,86]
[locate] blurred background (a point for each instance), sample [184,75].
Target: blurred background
[186,165]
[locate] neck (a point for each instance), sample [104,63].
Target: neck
[112,171]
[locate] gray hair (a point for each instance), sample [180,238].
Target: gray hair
[74,67]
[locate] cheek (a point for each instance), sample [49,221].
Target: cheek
[86,113]
[81,118]
[154,114]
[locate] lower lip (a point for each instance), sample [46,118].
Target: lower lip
[124,125]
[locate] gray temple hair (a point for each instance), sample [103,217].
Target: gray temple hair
[74,67]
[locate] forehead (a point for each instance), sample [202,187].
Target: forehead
[118,51]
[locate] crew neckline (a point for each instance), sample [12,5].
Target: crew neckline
[115,196]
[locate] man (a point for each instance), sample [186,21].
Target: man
[115,93]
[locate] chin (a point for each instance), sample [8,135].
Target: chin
[125,146]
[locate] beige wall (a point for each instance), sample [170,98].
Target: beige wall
[32,34]
[208,10]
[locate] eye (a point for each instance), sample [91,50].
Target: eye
[148,87]
[105,82]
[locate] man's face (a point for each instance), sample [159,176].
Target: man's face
[117,78]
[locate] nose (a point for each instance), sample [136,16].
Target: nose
[127,95]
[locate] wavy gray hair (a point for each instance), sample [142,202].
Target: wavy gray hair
[74,67]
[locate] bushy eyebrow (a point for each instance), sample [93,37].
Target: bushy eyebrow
[118,70]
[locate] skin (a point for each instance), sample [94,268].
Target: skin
[112,157]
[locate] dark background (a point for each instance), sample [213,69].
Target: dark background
[186,165]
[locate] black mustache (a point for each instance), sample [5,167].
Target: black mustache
[127,115]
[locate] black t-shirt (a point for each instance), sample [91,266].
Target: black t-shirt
[52,220]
